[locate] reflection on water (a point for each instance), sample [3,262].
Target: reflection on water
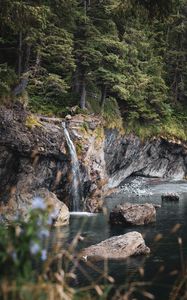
[165,254]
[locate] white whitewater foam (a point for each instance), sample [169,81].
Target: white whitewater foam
[76,177]
[83,213]
[136,187]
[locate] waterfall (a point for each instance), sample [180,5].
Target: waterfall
[76,177]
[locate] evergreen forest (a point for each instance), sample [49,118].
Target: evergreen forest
[124,59]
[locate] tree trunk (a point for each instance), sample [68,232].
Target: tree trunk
[83,95]
[85,7]
[20,54]
[103,96]
[21,86]
[27,59]
[37,64]
[76,82]
[25,77]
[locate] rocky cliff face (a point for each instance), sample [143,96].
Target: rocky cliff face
[31,157]
[34,155]
[157,157]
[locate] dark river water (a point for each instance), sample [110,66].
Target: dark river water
[168,255]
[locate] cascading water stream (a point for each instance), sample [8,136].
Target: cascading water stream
[76,177]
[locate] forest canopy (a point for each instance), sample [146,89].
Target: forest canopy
[58,53]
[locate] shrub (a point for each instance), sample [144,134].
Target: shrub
[21,244]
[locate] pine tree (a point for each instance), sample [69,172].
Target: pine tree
[133,51]
[24,22]
[176,58]
[87,56]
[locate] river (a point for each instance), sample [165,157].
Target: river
[168,255]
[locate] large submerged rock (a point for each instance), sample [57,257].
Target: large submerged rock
[117,247]
[60,210]
[133,214]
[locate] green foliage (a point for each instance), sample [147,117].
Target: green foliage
[26,16]
[21,246]
[31,122]
[133,51]
[31,266]
[112,115]
[93,104]
[56,51]
[37,104]
[99,132]
[176,55]
[79,148]
[111,112]
[145,92]
[85,126]
[48,93]
[171,128]
[7,80]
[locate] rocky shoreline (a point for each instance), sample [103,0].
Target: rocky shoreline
[34,156]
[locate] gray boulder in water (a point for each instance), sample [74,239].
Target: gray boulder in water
[170,197]
[133,214]
[117,247]
[60,212]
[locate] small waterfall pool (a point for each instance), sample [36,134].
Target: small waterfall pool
[167,256]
